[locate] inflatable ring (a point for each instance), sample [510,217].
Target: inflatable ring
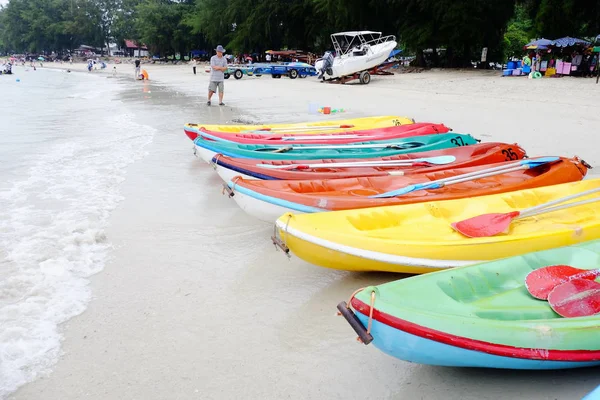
[537,75]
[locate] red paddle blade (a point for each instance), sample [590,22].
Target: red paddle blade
[346,126]
[542,281]
[485,225]
[576,298]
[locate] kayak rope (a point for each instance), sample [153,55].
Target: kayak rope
[372,307]
[234,181]
[214,163]
[286,230]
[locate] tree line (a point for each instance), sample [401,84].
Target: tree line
[461,27]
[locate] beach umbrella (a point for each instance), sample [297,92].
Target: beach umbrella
[539,44]
[568,41]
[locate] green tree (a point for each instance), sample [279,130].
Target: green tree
[518,32]
[160,24]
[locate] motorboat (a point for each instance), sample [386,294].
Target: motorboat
[356,52]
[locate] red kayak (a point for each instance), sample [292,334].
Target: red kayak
[462,157]
[387,133]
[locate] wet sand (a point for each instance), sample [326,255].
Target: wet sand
[196,302]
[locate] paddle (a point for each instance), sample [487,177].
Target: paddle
[484,173]
[576,298]
[486,225]
[399,146]
[440,160]
[301,128]
[542,281]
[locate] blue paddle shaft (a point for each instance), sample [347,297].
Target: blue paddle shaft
[503,169]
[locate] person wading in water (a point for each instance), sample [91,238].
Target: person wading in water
[218,66]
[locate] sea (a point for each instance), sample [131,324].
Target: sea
[66,140]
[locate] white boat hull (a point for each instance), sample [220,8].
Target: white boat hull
[204,154]
[228,174]
[349,64]
[260,209]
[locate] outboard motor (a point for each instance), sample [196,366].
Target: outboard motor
[327,64]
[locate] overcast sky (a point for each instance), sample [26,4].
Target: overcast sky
[3,2]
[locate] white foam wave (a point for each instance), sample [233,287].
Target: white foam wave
[52,239]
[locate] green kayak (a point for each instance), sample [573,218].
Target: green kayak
[381,148]
[480,316]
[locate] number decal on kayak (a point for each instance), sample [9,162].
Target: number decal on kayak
[396,122]
[510,154]
[458,141]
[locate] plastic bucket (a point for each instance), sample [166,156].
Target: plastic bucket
[511,65]
[507,72]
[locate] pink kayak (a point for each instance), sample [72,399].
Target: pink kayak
[387,133]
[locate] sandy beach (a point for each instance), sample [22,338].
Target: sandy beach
[196,303]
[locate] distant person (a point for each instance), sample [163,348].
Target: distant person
[194,63]
[137,69]
[218,66]
[114,72]
[268,57]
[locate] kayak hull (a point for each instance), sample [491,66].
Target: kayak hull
[354,193]
[258,209]
[387,133]
[407,347]
[370,149]
[480,316]
[357,124]
[466,156]
[417,238]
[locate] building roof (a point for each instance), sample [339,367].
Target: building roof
[132,44]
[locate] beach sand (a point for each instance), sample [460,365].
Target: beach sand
[197,304]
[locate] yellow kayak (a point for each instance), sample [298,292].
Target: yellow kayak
[330,126]
[418,238]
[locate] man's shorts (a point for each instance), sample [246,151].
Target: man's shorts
[212,86]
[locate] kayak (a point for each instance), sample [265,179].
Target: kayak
[480,316]
[344,125]
[392,132]
[207,149]
[268,200]
[465,156]
[418,238]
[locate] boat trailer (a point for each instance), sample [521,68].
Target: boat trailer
[365,76]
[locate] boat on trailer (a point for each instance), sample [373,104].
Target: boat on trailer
[356,54]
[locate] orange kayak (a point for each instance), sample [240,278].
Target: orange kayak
[269,199]
[465,156]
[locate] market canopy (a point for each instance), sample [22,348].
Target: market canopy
[540,44]
[569,41]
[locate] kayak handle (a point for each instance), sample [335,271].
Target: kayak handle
[280,243]
[230,192]
[355,323]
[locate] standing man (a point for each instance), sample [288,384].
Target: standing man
[218,66]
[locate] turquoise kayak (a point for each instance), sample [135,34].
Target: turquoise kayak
[207,149]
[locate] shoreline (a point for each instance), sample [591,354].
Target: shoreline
[196,303]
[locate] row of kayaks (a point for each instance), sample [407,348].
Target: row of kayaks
[391,194]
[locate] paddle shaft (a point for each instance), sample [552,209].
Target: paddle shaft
[343,146]
[534,210]
[301,128]
[393,163]
[440,183]
[558,208]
